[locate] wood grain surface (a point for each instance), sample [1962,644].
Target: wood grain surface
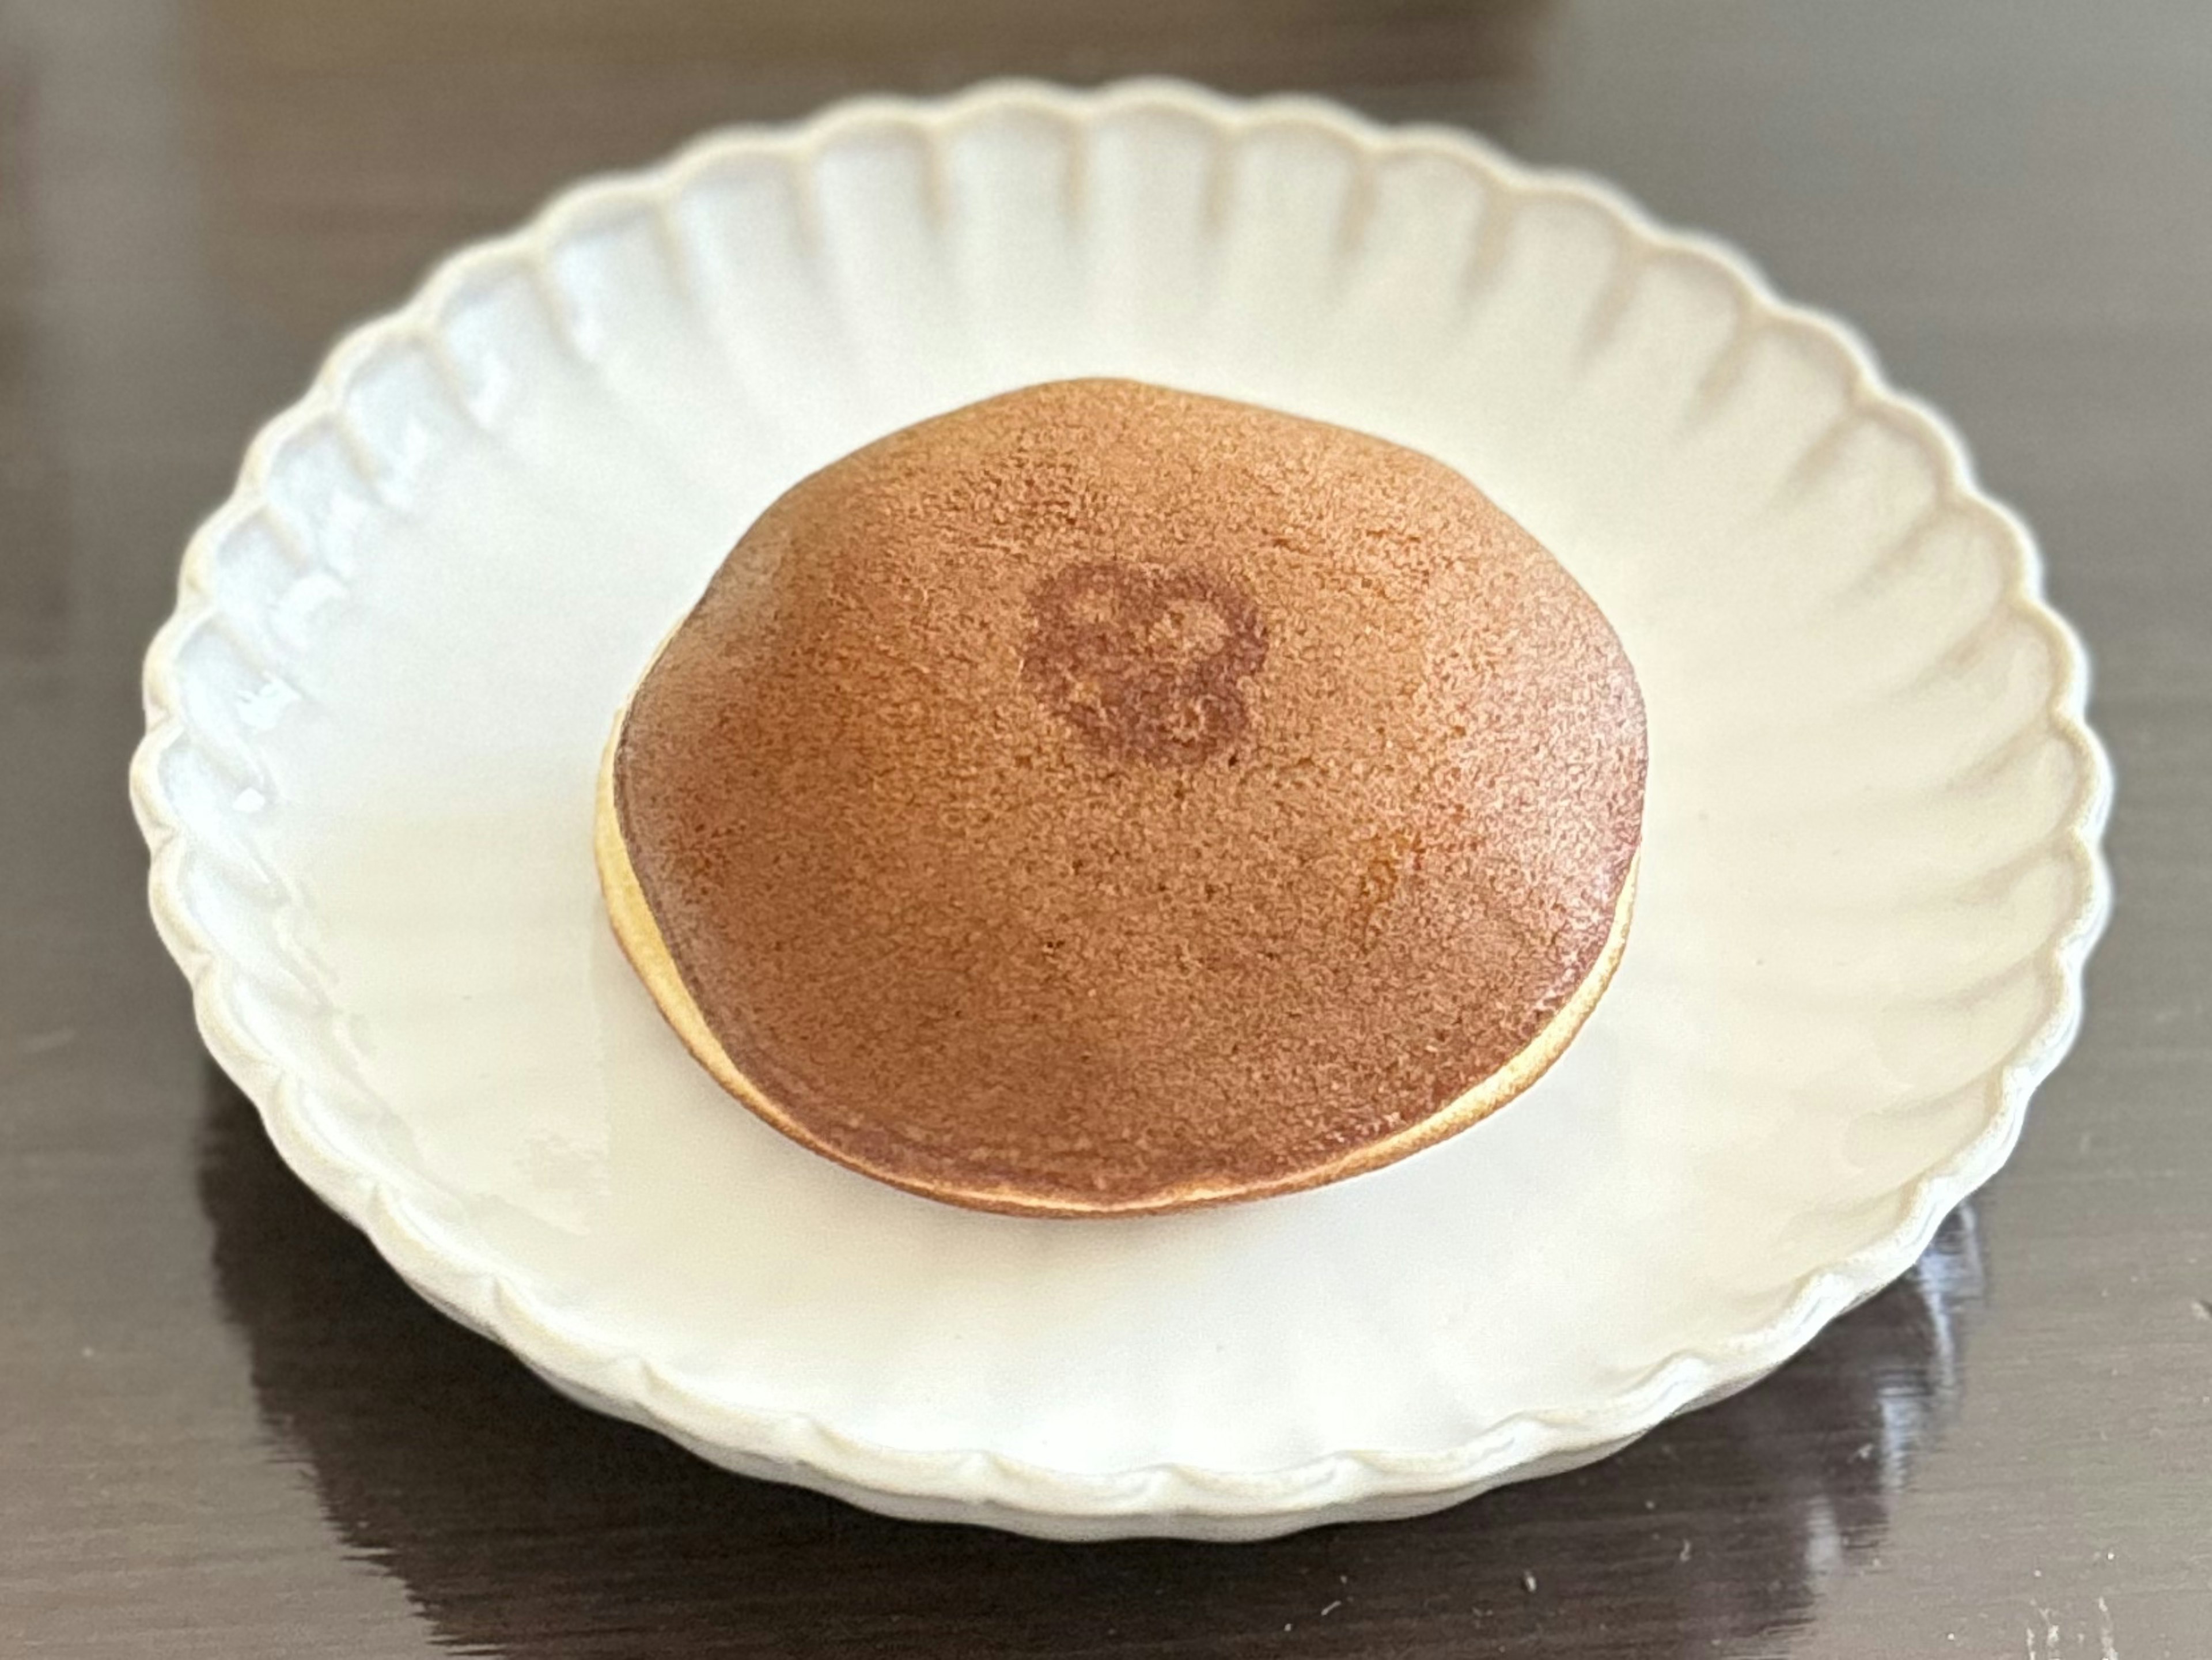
[226,1430]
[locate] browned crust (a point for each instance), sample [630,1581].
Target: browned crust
[1104,800]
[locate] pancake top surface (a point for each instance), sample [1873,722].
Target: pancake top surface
[1102,791]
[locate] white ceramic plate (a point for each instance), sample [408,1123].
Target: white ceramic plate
[1871,874]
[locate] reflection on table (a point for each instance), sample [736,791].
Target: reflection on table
[523,1526]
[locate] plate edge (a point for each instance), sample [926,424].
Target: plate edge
[1172,1496]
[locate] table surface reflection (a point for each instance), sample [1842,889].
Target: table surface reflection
[228,1430]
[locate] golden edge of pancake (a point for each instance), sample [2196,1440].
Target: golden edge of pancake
[639,936]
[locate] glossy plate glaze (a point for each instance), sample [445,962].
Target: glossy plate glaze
[1871,874]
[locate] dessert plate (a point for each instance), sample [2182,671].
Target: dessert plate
[1869,880]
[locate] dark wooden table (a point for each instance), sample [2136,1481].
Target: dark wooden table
[226,1430]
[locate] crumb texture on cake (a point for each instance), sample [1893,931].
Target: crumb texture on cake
[1102,793]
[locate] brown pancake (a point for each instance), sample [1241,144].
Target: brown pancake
[1102,798]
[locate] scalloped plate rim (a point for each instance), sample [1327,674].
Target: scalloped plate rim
[975,1484]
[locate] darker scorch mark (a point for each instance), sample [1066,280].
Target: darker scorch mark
[1146,662]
